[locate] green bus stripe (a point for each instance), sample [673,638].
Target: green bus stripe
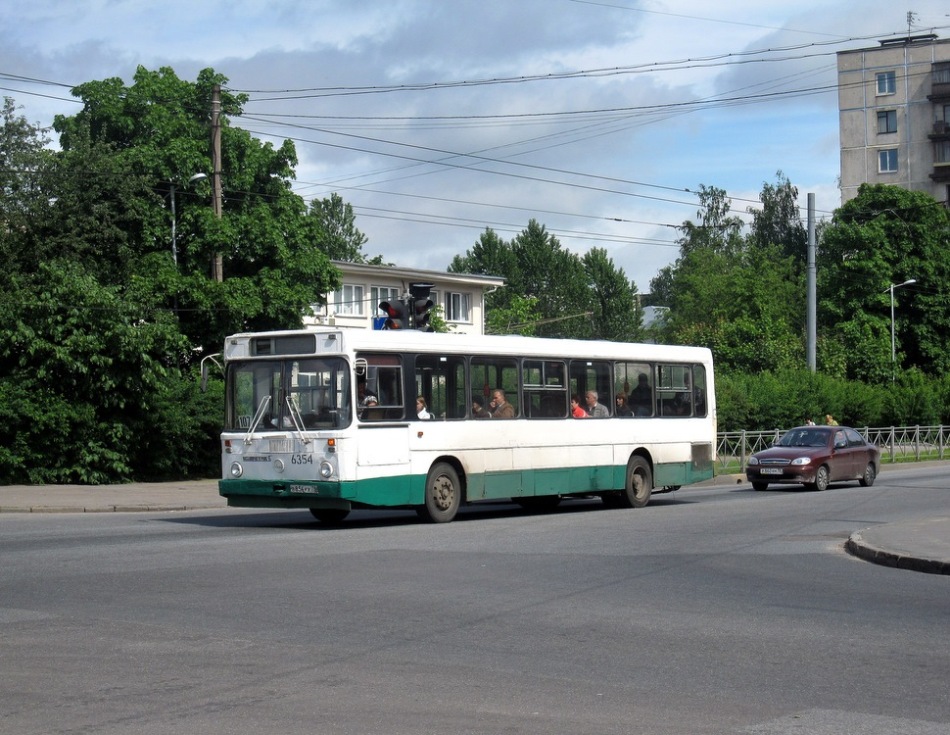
[404,490]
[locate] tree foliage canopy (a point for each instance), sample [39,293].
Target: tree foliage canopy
[107,324]
[550,291]
[885,236]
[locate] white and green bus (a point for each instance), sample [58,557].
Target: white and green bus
[328,420]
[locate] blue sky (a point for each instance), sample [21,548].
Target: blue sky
[597,118]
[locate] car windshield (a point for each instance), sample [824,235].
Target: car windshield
[804,438]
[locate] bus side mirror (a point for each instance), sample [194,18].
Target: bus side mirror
[204,369]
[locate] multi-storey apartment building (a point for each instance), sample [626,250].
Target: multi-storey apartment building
[894,115]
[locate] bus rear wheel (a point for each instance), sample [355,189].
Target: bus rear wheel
[639,486]
[443,494]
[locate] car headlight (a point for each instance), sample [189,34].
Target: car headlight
[236,470]
[801,461]
[326,470]
[753,460]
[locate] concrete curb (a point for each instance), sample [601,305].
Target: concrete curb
[858,545]
[105,508]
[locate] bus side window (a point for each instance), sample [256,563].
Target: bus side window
[440,379]
[593,375]
[676,395]
[545,388]
[497,373]
[633,380]
[383,388]
[699,390]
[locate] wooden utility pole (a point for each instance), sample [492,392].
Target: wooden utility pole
[217,266]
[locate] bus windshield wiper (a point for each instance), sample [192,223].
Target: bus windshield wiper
[258,415]
[295,416]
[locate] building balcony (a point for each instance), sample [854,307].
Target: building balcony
[941,130]
[939,92]
[941,172]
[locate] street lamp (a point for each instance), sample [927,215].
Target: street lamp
[173,187]
[893,347]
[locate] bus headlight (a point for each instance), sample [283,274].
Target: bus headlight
[236,470]
[326,470]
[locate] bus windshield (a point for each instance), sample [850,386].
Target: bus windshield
[315,390]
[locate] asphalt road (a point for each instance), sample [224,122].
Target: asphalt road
[714,610]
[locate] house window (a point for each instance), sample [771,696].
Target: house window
[887,82]
[887,161]
[458,307]
[942,152]
[887,121]
[348,300]
[382,293]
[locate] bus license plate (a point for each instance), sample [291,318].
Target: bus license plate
[308,489]
[771,470]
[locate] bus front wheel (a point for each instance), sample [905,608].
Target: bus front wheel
[639,486]
[330,516]
[443,494]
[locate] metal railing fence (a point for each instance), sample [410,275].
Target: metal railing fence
[897,444]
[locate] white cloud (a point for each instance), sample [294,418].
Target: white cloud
[619,175]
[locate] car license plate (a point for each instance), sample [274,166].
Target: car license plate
[771,470]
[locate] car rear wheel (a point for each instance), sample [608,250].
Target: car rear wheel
[821,480]
[867,479]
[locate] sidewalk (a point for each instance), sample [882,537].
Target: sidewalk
[920,545]
[133,497]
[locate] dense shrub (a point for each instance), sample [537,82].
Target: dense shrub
[774,400]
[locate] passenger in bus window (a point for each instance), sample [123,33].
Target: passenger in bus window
[577,410]
[421,410]
[478,409]
[622,408]
[367,406]
[503,409]
[641,397]
[594,409]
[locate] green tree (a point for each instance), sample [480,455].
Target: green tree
[555,277]
[335,228]
[86,365]
[741,300]
[616,313]
[520,316]
[489,256]
[23,159]
[886,235]
[98,363]
[156,131]
[778,221]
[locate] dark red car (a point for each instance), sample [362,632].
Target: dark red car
[814,456]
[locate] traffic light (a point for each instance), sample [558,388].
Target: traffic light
[396,315]
[421,306]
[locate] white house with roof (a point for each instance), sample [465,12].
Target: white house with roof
[461,296]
